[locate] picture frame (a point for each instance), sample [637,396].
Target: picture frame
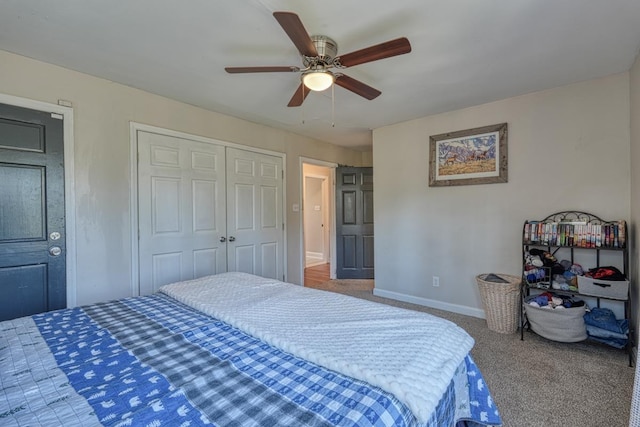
[468,157]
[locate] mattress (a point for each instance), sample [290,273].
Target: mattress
[158,361]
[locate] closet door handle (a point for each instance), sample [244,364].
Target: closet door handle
[232,239]
[223,239]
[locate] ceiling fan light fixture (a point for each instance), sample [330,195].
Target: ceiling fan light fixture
[318,80]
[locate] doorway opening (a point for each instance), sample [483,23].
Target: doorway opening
[318,219]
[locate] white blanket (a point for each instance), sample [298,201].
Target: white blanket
[410,354]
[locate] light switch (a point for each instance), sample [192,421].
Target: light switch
[316,208]
[296,207]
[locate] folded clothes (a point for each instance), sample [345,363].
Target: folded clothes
[556,300]
[550,300]
[605,318]
[606,273]
[604,333]
[613,342]
[541,300]
[570,302]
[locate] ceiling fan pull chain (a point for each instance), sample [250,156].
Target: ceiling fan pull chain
[333,106]
[302,106]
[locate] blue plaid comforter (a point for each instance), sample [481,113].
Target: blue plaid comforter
[152,361]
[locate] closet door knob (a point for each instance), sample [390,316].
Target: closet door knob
[223,239]
[232,239]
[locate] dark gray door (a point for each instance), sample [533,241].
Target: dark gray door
[354,223]
[32,234]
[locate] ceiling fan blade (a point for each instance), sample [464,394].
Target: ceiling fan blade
[292,25]
[298,98]
[234,70]
[373,53]
[356,86]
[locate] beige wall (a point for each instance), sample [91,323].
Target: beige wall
[367,159]
[568,150]
[102,112]
[313,199]
[635,185]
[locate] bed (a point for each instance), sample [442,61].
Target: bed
[239,350]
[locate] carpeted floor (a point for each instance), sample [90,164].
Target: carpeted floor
[536,382]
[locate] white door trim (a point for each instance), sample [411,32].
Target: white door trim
[134,127]
[332,210]
[69,182]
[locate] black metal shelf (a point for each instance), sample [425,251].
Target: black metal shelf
[575,217]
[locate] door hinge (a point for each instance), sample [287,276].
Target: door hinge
[282,174]
[283,225]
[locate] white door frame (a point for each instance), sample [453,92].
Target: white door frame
[69,182]
[134,127]
[331,206]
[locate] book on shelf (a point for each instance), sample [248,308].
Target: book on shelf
[580,234]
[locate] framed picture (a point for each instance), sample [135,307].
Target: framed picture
[472,156]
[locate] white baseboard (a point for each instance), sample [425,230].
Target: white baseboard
[454,308]
[314,255]
[314,258]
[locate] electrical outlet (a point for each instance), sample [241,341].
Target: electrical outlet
[436,281]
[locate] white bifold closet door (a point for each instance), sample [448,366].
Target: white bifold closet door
[204,209]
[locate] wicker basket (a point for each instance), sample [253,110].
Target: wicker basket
[501,302]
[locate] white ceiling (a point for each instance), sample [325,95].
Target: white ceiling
[464,52]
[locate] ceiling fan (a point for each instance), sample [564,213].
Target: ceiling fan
[319,56]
